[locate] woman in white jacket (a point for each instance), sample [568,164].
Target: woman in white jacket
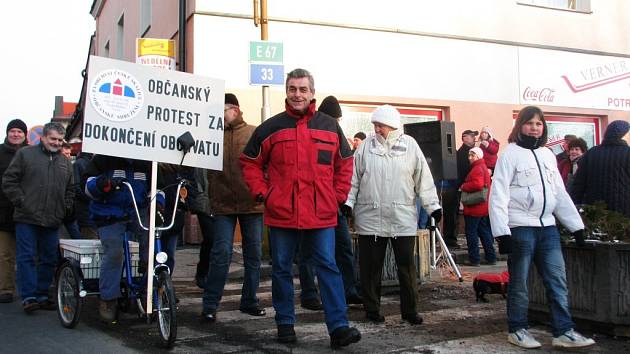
[390,172]
[527,192]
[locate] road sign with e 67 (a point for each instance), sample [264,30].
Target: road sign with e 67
[266,74]
[263,51]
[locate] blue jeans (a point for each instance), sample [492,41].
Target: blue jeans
[41,243]
[113,256]
[221,257]
[423,217]
[169,245]
[308,289]
[542,246]
[344,256]
[479,228]
[321,243]
[73,229]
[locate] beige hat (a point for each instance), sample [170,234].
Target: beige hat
[477,152]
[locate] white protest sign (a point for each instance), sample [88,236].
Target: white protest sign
[136,111]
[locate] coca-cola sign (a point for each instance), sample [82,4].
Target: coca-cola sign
[565,79]
[544,95]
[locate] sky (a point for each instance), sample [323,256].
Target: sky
[44,49]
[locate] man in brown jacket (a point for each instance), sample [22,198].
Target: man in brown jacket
[230,201]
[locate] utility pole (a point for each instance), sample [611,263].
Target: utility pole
[260,17]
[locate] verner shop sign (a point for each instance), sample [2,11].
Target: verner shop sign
[138,112]
[557,78]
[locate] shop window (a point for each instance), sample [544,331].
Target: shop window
[572,5]
[356,116]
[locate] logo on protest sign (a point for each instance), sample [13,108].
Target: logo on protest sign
[116,95]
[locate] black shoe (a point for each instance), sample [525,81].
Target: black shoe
[210,317]
[453,246]
[30,305]
[491,263]
[47,305]
[413,318]
[344,336]
[375,317]
[470,264]
[6,298]
[254,311]
[355,299]
[286,334]
[312,304]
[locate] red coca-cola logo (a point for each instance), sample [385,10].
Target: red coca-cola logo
[540,95]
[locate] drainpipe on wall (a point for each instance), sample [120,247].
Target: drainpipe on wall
[182,35]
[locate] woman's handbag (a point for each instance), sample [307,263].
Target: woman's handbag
[473,198]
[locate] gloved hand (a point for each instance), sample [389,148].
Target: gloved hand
[579,238]
[104,184]
[505,244]
[260,198]
[437,215]
[346,210]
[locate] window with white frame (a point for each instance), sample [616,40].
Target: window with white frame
[574,5]
[145,16]
[120,38]
[106,50]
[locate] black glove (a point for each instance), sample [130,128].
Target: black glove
[260,198]
[505,244]
[437,215]
[346,210]
[579,238]
[104,184]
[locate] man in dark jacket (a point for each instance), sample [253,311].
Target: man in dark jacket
[230,202]
[300,164]
[39,184]
[81,200]
[604,171]
[16,138]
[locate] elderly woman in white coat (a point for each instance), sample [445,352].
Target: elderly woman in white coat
[390,172]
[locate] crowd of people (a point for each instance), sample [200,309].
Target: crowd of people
[297,174]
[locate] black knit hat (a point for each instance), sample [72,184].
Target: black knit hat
[17,123]
[616,130]
[330,106]
[230,98]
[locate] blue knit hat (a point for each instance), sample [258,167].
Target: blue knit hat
[616,130]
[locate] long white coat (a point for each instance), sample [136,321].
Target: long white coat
[388,176]
[527,190]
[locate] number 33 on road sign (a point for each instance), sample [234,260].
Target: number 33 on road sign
[266,74]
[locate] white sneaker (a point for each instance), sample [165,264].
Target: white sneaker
[571,339]
[523,339]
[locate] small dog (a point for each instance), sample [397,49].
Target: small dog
[490,283]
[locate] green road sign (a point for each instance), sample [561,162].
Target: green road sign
[263,51]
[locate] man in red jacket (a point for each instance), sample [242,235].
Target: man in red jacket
[476,215]
[299,164]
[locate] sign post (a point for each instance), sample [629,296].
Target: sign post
[158,53]
[138,112]
[266,68]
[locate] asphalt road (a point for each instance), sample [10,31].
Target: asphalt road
[454,323]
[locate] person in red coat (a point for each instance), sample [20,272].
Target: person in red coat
[489,146]
[476,216]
